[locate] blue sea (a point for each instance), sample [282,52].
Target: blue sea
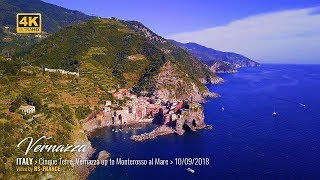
[247,142]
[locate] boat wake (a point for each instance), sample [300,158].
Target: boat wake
[288,100]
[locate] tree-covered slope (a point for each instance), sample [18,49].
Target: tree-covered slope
[115,54]
[179,56]
[53,17]
[104,50]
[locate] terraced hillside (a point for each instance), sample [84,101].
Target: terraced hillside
[54,18]
[108,54]
[112,53]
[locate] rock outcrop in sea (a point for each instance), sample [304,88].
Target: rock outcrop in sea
[103,155]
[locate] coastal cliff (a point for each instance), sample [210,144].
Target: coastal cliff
[218,61]
[82,170]
[223,67]
[193,119]
[171,83]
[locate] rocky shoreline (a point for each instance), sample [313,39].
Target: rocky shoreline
[211,95]
[83,170]
[162,131]
[194,119]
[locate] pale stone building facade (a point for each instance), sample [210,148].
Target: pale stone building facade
[27,109]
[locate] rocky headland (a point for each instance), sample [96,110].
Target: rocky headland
[159,131]
[218,61]
[83,170]
[192,119]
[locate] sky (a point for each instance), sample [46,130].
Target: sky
[273,31]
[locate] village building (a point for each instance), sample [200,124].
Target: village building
[61,71]
[167,118]
[28,109]
[112,91]
[132,96]
[106,109]
[107,103]
[118,95]
[38,36]
[152,110]
[107,117]
[99,116]
[139,109]
[120,117]
[178,107]
[131,109]
[140,113]
[174,102]
[174,117]
[124,92]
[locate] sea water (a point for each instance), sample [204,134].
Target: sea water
[247,142]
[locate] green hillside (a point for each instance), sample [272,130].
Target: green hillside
[108,54]
[197,72]
[60,100]
[112,53]
[53,19]
[103,50]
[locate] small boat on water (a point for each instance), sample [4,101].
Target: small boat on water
[112,129]
[274,112]
[302,105]
[116,131]
[222,108]
[190,170]
[209,127]
[126,132]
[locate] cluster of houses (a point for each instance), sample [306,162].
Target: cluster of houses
[138,109]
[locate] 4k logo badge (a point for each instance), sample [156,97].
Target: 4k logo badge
[29,23]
